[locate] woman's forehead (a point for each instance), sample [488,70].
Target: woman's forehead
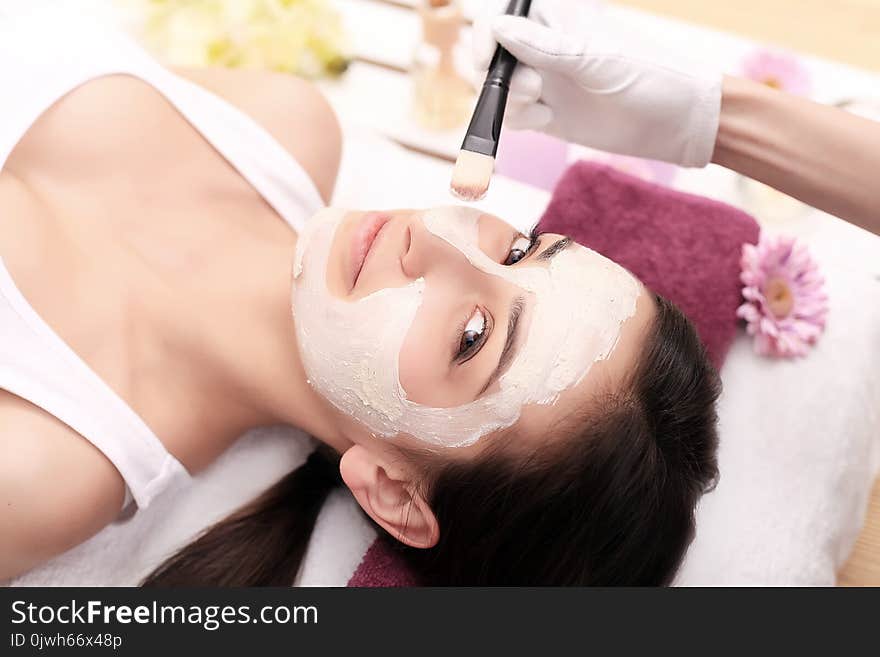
[493,222]
[574,406]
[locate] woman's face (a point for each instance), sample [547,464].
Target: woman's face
[446,325]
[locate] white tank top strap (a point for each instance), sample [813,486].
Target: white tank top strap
[38,366]
[55,53]
[47,54]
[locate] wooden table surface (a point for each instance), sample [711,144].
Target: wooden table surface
[844,30]
[863,567]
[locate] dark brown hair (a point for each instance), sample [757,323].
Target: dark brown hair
[610,503]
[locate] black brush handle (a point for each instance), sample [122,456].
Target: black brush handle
[485,126]
[502,64]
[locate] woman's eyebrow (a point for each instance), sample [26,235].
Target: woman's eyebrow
[514,314]
[506,356]
[557,246]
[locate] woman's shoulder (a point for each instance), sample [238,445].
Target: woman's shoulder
[293,111]
[57,489]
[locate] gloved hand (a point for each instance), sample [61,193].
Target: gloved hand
[582,79]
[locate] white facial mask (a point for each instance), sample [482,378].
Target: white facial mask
[350,349]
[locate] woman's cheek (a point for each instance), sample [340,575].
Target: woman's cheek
[419,369]
[428,374]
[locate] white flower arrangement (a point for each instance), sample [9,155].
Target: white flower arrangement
[304,37]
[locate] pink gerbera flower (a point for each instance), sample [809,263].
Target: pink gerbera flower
[778,70]
[786,304]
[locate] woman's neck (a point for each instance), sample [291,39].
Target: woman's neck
[232,350]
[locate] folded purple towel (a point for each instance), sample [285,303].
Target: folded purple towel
[682,246]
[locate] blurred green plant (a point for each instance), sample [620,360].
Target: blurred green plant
[305,37]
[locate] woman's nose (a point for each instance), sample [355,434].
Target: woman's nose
[427,253]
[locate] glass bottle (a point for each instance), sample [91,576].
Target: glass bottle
[443,98]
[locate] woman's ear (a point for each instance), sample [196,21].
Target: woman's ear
[389,498]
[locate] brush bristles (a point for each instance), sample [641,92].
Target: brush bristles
[470,178]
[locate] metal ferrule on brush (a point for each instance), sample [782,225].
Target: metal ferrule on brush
[485,126]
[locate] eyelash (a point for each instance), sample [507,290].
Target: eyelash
[533,236]
[461,356]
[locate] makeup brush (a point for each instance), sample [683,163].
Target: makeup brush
[476,159]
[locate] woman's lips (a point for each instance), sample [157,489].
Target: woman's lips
[364,236]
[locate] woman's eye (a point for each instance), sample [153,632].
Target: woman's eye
[472,337]
[520,248]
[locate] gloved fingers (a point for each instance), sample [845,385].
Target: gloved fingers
[483,41]
[526,83]
[527,116]
[515,100]
[537,45]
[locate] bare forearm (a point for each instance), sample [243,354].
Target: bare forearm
[824,156]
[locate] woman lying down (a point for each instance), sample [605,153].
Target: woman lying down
[511,409]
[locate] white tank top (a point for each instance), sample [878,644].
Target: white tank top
[43,56]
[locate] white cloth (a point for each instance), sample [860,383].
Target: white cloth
[127,550]
[800,439]
[45,54]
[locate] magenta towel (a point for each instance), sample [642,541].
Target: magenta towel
[682,246]
[685,247]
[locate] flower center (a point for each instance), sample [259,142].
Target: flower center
[779,298]
[772,82]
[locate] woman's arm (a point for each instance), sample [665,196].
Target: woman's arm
[822,155]
[56,489]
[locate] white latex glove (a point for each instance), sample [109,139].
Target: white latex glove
[583,80]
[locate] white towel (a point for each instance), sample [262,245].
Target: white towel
[127,550]
[800,439]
